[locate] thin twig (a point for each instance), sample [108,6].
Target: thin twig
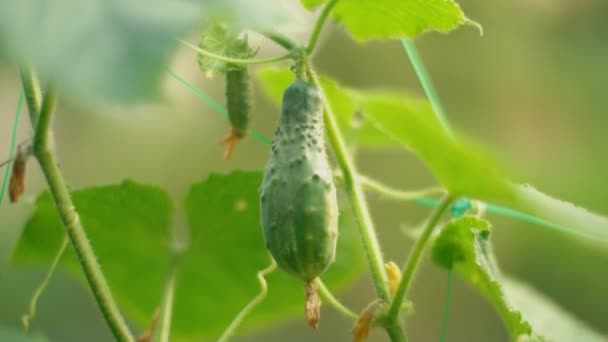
[231,329]
[236,60]
[31,311]
[333,301]
[48,163]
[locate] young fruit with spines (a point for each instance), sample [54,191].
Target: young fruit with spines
[239,103]
[299,207]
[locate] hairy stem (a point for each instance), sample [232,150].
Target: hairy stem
[413,260]
[385,190]
[333,301]
[360,208]
[48,163]
[280,39]
[31,87]
[316,31]
[237,60]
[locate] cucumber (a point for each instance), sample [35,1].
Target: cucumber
[239,95]
[298,203]
[239,100]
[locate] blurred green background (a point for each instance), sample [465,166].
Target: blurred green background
[533,89]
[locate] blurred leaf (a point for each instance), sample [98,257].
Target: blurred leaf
[224,41]
[548,319]
[343,100]
[13,335]
[462,167]
[312,4]
[394,19]
[127,225]
[563,216]
[464,245]
[111,50]
[218,274]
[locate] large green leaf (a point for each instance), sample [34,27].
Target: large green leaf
[218,275]
[387,19]
[464,245]
[462,166]
[111,50]
[547,318]
[127,225]
[344,102]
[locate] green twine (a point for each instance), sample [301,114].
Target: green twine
[12,147]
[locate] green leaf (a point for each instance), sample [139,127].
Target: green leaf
[394,19]
[547,318]
[561,215]
[112,50]
[218,274]
[224,41]
[127,225]
[462,166]
[343,100]
[464,246]
[14,335]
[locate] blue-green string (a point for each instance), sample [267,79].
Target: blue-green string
[447,307]
[12,147]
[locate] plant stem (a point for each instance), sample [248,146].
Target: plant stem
[333,301]
[427,84]
[316,31]
[409,270]
[230,330]
[31,87]
[80,242]
[398,194]
[237,60]
[31,311]
[357,197]
[365,224]
[163,332]
[280,39]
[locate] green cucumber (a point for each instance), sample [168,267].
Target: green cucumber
[239,100]
[298,203]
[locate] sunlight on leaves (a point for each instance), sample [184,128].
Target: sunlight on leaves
[394,19]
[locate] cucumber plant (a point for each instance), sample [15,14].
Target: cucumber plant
[203,285]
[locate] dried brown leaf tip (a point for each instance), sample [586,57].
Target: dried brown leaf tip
[16,186]
[394,276]
[366,320]
[147,335]
[313,305]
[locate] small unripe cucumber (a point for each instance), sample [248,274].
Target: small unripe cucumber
[238,99]
[299,207]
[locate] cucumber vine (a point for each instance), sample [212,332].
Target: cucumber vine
[298,197]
